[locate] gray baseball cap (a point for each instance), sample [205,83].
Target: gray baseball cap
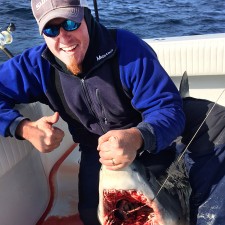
[46,10]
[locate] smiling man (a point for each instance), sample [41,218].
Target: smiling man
[108,85]
[69,48]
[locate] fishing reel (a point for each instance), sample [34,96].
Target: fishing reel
[6,34]
[7,38]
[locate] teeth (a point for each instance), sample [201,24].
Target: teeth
[69,48]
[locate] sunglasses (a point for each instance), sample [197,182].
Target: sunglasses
[54,30]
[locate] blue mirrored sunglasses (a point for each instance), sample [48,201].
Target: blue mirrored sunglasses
[54,30]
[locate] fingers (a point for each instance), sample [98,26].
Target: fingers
[111,154]
[109,149]
[52,138]
[58,133]
[104,138]
[119,145]
[117,167]
[53,135]
[111,164]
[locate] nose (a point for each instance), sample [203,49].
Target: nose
[63,32]
[64,36]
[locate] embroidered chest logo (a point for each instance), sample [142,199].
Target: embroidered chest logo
[103,56]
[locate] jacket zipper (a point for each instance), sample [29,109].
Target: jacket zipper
[102,106]
[89,103]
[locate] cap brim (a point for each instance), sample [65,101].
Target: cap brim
[75,14]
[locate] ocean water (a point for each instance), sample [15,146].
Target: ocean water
[146,18]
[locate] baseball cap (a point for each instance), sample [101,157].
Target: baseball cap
[46,10]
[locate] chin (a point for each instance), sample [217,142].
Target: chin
[74,67]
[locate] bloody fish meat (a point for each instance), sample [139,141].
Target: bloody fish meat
[128,197]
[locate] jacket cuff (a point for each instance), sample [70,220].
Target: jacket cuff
[148,135]
[14,125]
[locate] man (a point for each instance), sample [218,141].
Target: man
[107,85]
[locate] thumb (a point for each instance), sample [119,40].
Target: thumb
[107,137]
[53,118]
[113,140]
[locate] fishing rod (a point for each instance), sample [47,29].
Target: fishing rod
[7,38]
[96,10]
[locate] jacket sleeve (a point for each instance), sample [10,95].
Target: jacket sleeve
[22,80]
[152,92]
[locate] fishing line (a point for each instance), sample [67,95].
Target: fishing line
[186,148]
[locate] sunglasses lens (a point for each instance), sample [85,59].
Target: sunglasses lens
[70,25]
[51,31]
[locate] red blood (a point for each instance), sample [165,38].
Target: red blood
[69,220]
[127,207]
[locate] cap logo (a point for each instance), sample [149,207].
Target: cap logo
[75,11]
[41,3]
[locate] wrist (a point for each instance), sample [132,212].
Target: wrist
[21,130]
[139,141]
[148,135]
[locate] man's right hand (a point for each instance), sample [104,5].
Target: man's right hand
[42,133]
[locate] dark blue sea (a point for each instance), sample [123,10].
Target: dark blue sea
[146,18]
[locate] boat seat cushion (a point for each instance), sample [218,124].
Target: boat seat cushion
[198,55]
